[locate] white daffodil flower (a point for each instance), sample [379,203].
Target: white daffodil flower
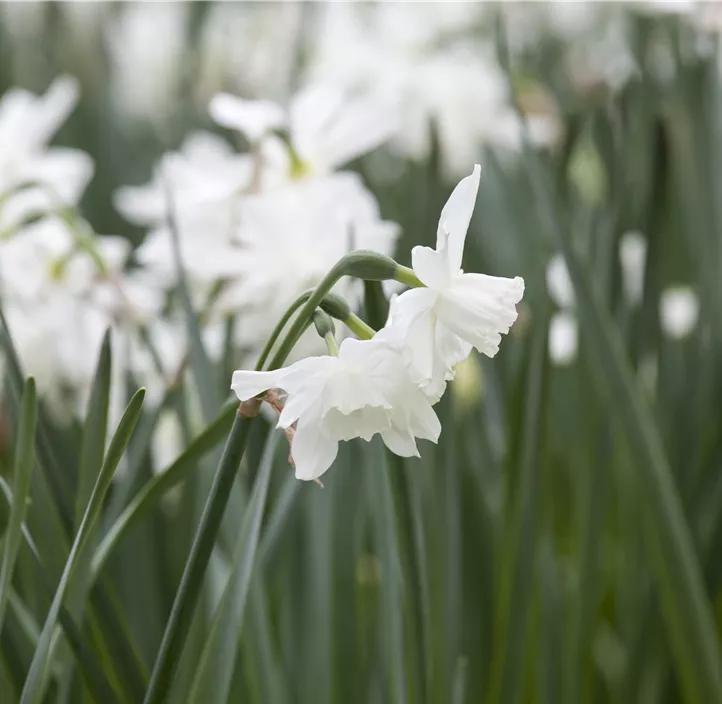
[327,128]
[364,391]
[439,324]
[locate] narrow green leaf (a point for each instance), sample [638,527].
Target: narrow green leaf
[35,682]
[24,462]
[156,488]
[46,459]
[387,545]
[200,362]
[94,430]
[411,557]
[92,671]
[517,569]
[673,555]
[218,660]
[192,579]
[583,607]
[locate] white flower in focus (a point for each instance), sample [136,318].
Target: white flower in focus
[633,257]
[563,338]
[364,391]
[678,311]
[438,325]
[327,128]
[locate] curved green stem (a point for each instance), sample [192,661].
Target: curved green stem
[363,265]
[332,304]
[359,327]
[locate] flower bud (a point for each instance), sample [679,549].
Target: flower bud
[324,324]
[336,306]
[369,266]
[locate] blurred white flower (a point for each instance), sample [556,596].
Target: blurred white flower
[563,327]
[563,338]
[678,311]
[61,290]
[429,62]
[327,127]
[559,283]
[633,258]
[204,178]
[288,239]
[249,47]
[364,391]
[34,177]
[439,324]
[252,118]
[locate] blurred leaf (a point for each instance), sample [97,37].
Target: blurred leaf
[188,592]
[514,591]
[149,496]
[684,602]
[36,679]
[218,660]
[94,430]
[24,463]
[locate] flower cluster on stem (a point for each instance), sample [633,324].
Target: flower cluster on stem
[387,382]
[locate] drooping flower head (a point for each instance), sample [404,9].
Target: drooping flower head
[364,391]
[437,325]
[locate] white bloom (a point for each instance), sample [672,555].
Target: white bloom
[327,127]
[364,391]
[287,241]
[204,177]
[563,338]
[438,325]
[253,118]
[632,257]
[36,178]
[678,311]
[429,62]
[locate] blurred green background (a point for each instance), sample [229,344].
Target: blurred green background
[563,541]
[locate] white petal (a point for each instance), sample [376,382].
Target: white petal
[479,308]
[313,451]
[247,384]
[430,266]
[423,421]
[412,329]
[455,218]
[251,117]
[54,107]
[400,443]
